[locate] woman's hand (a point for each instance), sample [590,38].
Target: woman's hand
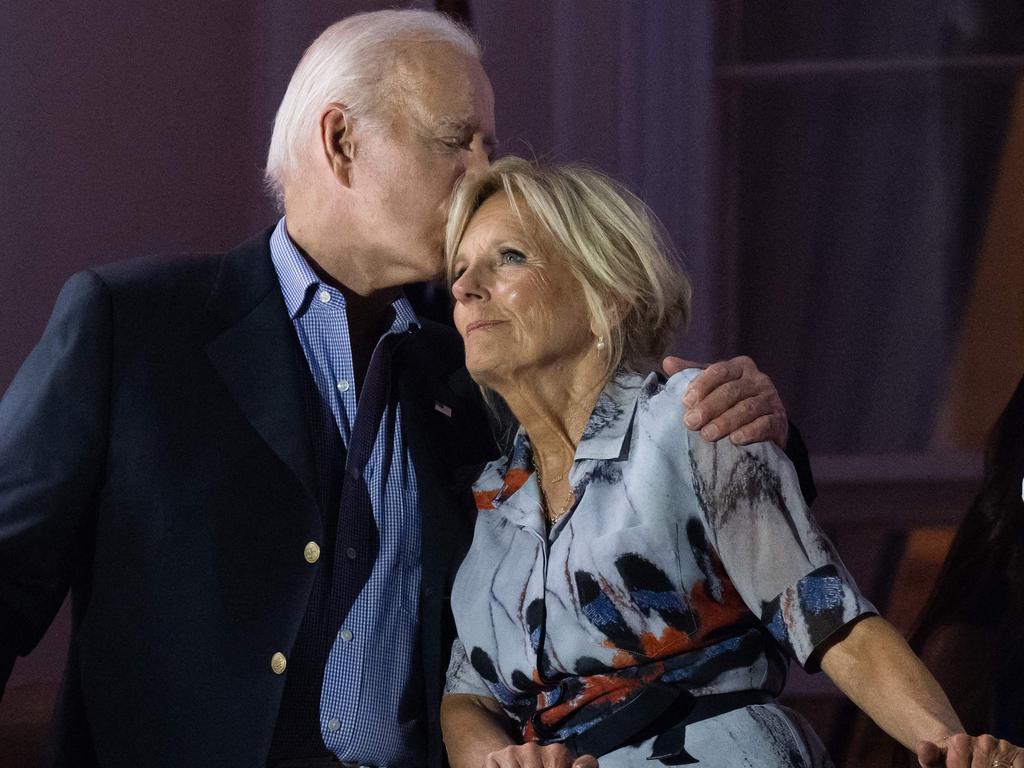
[533,755]
[733,399]
[963,751]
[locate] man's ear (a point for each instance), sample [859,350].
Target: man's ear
[337,138]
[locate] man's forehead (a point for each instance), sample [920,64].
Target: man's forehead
[440,66]
[444,81]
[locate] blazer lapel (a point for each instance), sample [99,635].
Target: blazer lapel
[428,430]
[258,356]
[449,439]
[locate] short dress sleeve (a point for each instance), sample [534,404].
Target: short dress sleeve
[781,563]
[462,677]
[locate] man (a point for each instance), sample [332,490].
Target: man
[251,469]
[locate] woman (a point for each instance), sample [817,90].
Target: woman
[633,591]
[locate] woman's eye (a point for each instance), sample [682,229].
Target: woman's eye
[512,256]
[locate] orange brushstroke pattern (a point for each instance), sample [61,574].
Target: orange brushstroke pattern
[515,478]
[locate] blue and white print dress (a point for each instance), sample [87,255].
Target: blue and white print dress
[685,569]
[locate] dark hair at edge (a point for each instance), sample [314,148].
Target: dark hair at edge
[986,560]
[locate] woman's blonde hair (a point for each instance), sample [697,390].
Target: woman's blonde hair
[612,242]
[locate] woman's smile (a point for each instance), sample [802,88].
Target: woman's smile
[482,324]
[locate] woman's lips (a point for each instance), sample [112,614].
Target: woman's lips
[477,324]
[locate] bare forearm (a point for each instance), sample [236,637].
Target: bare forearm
[472,729]
[875,667]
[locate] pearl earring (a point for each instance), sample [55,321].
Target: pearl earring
[600,343]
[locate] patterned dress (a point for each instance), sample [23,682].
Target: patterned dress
[685,570]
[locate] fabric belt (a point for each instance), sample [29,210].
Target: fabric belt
[663,715]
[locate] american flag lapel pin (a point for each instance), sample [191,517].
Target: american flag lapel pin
[442,408]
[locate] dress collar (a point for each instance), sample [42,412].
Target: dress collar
[606,437]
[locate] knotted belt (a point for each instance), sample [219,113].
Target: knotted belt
[662,711]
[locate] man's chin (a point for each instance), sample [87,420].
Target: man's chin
[429,267]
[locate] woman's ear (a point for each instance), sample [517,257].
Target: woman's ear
[337,139]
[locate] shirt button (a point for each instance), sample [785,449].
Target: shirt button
[351,553]
[311,552]
[278,663]
[353,472]
[346,635]
[333,724]
[343,385]
[325,296]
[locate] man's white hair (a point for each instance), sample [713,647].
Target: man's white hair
[348,64]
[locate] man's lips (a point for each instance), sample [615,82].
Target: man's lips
[477,324]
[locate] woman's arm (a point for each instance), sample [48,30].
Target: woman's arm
[473,727]
[875,667]
[477,734]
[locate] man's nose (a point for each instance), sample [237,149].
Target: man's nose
[478,156]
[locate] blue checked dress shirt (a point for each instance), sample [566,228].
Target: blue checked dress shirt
[370,669]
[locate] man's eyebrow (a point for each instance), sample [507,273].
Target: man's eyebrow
[458,124]
[462,125]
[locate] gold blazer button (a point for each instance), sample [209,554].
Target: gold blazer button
[278,662]
[311,552]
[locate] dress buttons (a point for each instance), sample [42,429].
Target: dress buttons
[325,296]
[351,553]
[343,385]
[333,724]
[311,552]
[346,635]
[278,662]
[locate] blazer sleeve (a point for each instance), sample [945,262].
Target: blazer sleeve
[53,438]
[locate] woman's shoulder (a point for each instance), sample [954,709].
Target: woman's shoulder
[661,412]
[660,408]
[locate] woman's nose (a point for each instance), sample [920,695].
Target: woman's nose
[469,287]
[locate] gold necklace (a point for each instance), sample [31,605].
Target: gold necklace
[570,497]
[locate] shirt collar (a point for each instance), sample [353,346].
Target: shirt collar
[512,485]
[299,281]
[607,428]
[605,435]
[294,274]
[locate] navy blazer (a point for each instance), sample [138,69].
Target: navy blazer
[155,457]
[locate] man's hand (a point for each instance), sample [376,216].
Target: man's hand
[732,398]
[963,751]
[533,755]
